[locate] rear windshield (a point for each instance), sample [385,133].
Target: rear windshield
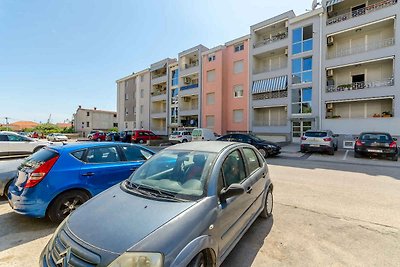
[176,133]
[196,133]
[316,134]
[375,137]
[38,158]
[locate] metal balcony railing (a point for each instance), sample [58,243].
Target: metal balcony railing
[359,12]
[271,68]
[270,95]
[274,38]
[158,75]
[155,93]
[359,85]
[190,86]
[361,48]
[191,65]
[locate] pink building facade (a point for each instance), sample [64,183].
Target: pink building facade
[225,92]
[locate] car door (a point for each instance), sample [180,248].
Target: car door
[102,168]
[4,145]
[19,144]
[134,157]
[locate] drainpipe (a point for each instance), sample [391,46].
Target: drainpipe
[320,70]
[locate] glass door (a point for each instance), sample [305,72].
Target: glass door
[298,129]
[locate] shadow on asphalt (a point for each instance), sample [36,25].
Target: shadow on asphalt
[246,250]
[16,229]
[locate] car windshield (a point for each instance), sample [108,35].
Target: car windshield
[180,173]
[176,133]
[316,134]
[196,133]
[255,137]
[375,137]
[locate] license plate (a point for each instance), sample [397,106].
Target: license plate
[374,150]
[314,145]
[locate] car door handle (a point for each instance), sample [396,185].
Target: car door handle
[88,174]
[249,189]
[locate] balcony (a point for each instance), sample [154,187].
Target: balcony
[158,75]
[370,46]
[271,39]
[270,95]
[360,85]
[190,65]
[271,67]
[346,15]
[190,86]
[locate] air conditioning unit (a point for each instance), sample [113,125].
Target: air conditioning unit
[286,52]
[329,106]
[186,99]
[329,73]
[329,41]
[186,80]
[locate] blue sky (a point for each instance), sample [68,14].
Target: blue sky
[56,55]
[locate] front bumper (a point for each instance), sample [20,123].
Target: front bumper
[22,205]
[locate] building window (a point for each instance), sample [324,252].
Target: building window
[238,91]
[141,109]
[126,111]
[126,96]
[301,101]
[238,115]
[87,124]
[141,124]
[115,115]
[141,78]
[211,58]
[210,75]
[302,40]
[210,121]
[88,113]
[115,124]
[273,116]
[239,47]
[175,77]
[302,70]
[238,66]
[210,98]
[175,92]
[141,93]
[126,125]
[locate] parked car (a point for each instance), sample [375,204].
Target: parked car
[56,137]
[321,141]
[142,136]
[91,133]
[15,144]
[23,133]
[55,181]
[8,171]
[126,136]
[112,136]
[203,134]
[187,206]
[266,148]
[33,135]
[376,144]
[99,136]
[180,137]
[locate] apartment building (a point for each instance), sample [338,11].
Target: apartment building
[225,87]
[86,120]
[173,122]
[190,86]
[133,98]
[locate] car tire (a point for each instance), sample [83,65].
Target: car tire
[302,150]
[263,152]
[7,188]
[268,205]
[331,151]
[395,158]
[336,148]
[98,139]
[65,203]
[37,149]
[184,141]
[357,155]
[198,261]
[141,141]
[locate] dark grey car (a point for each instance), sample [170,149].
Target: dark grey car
[187,206]
[8,171]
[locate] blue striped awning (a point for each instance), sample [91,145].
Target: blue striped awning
[270,85]
[332,2]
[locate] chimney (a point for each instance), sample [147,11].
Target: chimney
[94,108]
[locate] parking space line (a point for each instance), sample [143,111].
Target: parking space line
[345,155]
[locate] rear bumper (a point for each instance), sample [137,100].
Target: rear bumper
[317,148]
[390,152]
[22,205]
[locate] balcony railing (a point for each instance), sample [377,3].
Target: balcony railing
[359,85]
[270,95]
[158,93]
[271,68]
[158,75]
[275,38]
[188,108]
[361,11]
[191,65]
[269,123]
[190,86]
[361,48]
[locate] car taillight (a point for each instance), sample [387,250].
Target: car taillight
[179,136]
[393,144]
[38,175]
[359,143]
[303,138]
[327,139]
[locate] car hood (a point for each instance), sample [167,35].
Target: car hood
[116,220]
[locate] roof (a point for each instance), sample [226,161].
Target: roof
[96,110]
[204,146]
[82,145]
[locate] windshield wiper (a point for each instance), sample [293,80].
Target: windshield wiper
[157,192]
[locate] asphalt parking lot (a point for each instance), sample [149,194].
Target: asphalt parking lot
[328,210]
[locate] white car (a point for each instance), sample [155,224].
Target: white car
[180,136]
[15,144]
[57,137]
[203,134]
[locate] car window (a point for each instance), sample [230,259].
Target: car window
[102,155]
[375,137]
[78,154]
[224,138]
[38,158]
[233,169]
[134,153]
[3,137]
[316,134]
[251,159]
[16,138]
[243,139]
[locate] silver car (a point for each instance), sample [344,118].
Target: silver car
[320,141]
[8,171]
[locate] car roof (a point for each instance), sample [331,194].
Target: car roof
[83,145]
[374,133]
[204,146]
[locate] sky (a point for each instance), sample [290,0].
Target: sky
[57,55]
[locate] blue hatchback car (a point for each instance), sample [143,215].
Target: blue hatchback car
[56,180]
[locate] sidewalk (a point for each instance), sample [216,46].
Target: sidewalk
[290,148]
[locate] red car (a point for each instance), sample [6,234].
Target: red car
[141,136]
[99,136]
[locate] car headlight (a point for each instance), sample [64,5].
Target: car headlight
[138,259]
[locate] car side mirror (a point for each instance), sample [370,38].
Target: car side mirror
[232,190]
[394,139]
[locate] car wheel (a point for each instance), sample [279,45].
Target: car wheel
[198,261]
[37,149]
[66,203]
[263,152]
[141,141]
[302,150]
[98,139]
[357,155]
[184,141]
[331,151]
[395,158]
[269,205]
[336,148]
[7,188]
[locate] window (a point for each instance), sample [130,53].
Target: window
[239,47]
[126,96]
[15,138]
[238,66]
[78,154]
[133,153]
[252,160]
[175,92]
[302,70]
[115,115]
[141,78]
[210,75]
[115,124]
[211,58]
[3,137]
[126,111]
[302,40]
[301,101]
[102,155]
[87,124]
[233,170]
[210,98]
[273,116]
[210,121]
[88,113]
[141,124]
[141,93]
[141,109]
[238,91]
[238,115]
[175,77]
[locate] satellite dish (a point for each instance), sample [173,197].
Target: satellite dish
[314,4]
